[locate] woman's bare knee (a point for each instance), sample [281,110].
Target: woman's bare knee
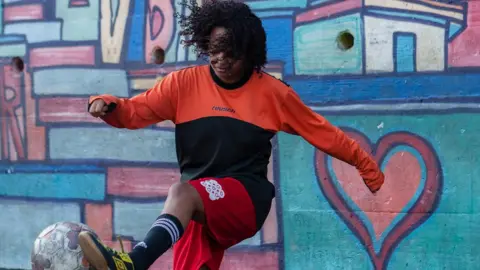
[184,202]
[185,193]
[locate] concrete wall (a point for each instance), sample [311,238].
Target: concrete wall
[408,90]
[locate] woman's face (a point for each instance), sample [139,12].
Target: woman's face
[227,68]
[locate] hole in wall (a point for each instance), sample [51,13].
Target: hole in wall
[18,64]
[158,55]
[345,40]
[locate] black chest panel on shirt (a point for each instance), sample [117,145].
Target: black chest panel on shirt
[219,146]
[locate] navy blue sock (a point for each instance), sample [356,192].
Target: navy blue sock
[165,231]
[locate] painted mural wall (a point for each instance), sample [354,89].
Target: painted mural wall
[408,90]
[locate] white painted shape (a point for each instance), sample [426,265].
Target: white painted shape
[11,50]
[35,32]
[135,219]
[20,224]
[414,7]
[430,42]
[80,81]
[107,143]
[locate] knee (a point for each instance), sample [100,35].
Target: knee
[183,191]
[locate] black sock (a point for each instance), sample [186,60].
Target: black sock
[165,231]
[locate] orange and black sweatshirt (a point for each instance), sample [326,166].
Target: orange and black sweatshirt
[225,130]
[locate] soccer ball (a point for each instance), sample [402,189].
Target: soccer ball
[57,248]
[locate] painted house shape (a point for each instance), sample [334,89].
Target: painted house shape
[390,36]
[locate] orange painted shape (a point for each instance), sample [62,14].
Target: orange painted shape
[403,173]
[99,218]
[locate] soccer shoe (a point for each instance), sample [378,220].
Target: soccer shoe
[102,257]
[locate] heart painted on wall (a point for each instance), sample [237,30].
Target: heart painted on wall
[410,194]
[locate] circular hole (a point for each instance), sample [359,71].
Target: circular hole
[18,64]
[158,55]
[345,41]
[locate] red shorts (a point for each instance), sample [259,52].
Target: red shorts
[230,219]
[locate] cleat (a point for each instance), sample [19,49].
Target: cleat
[102,257]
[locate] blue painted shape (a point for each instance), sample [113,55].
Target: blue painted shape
[136,50]
[404,49]
[51,168]
[279,43]
[410,15]
[453,29]
[275,13]
[36,32]
[90,186]
[316,50]
[13,38]
[319,2]
[1,19]
[366,89]
[276,4]
[80,81]
[22,221]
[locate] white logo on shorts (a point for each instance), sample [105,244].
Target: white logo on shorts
[214,189]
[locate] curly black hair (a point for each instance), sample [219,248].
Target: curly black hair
[245,39]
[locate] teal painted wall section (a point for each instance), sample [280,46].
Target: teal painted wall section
[445,240]
[407,91]
[316,49]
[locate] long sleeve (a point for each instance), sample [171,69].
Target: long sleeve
[300,120]
[152,106]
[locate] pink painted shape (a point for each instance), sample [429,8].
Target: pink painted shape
[157,23]
[23,12]
[36,135]
[402,179]
[165,34]
[62,56]
[67,110]
[141,182]
[328,10]
[10,81]
[79,3]
[464,50]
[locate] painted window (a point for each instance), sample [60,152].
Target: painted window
[404,47]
